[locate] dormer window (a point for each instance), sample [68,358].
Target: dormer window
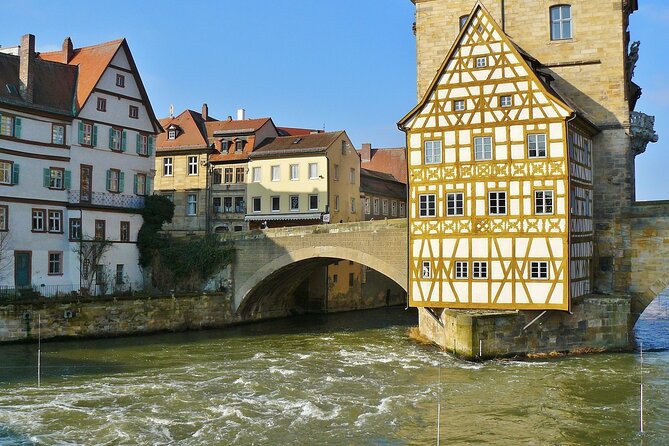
[239,146]
[172,134]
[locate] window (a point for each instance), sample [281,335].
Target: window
[100,229]
[402,210]
[58,134]
[376,206]
[393,208]
[55,263]
[141,184]
[102,104]
[133,111]
[334,277]
[55,221]
[344,147]
[240,205]
[120,80]
[4,218]
[239,146]
[10,126]
[144,144]
[239,174]
[459,105]
[426,272]
[481,62]
[227,201]
[275,173]
[115,139]
[257,204]
[87,134]
[427,205]
[256,174]
[353,209]
[432,152]
[216,177]
[480,270]
[228,175]
[313,171]
[192,165]
[54,178]
[351,175]
[366,205]
[172,134]
[543,202]
[313,202]
[191,204]
[385,206]
[561,22]
[294,202]
[276,204]
[169,196]
[294,172]
[6,172]
[536,145]
[455,204]
[124,232]
[538,270]
[167,166]
[238,228]
[462,20]
[482,148]
[497,203]
[506,101]
[75,228]
[119,274]
[114,180]
[336,203]
[38,220]
[461,270]
[336,172]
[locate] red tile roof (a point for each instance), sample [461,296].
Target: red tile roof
[236,126]
[192,133]
[295,145]
[391,160]
[294,131]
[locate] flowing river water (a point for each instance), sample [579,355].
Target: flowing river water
[345,379]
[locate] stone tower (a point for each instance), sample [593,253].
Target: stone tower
[592,62]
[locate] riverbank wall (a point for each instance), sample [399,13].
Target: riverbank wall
[596,323]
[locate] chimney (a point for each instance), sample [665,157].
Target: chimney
[205,112]
[68,50]
[366,152]
[241,114]
[27,66]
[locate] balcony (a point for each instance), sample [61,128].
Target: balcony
[642,131]
[106,199]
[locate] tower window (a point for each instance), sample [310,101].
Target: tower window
[481,62]
[538,270]
[482,148]
[536,145]
[427,205]
[432,152]
[561,22]
[426,272]
[480,270]
[506,101]
[459,105]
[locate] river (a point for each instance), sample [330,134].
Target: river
[345,379]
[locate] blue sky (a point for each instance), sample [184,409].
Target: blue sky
[344,64]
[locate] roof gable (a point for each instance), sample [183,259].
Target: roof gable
[504,71]
[191,135]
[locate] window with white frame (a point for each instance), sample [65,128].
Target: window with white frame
[376,206]
[393,208]
[115,139]
[366,205]
[482,148]
[141,184]
[256,175]
[313,171]
[543,202]
[461,270]
[4,218]
[427,205]
[239,174]
[191,204]
[56,178]
[459,105]
[7,125]
[294,172]
[58,134]
[402,209]
[455,204]
[120,80]
[353,208]
[75,228]
[192,165]
[480,270]
[55,263]
[114,180]
[172,134]
[227,205]
[497,203]
[133,111]
[336,202]
[536,145]
[538,270]
[275,173]
[38,220]
[336,172]
[227,175]
[55,221]
[432,152]
[276,203]
[426,270]
[313,202]
[384,205]
[506,101]
[6,172]
[142,143]
[481,62]
[119,274]
[167,166]
[351,175]
[257,204]
[561,22]
[294,202]
[86,134]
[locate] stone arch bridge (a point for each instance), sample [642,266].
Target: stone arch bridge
[275,261]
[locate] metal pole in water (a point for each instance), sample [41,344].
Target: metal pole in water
[480,348]
[438,405]
[39,350]
[641,372]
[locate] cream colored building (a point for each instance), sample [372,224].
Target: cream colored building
[301,180]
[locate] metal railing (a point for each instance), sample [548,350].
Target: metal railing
[63,291]
[106,199]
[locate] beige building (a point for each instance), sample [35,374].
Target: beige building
[382,195]
[304,179]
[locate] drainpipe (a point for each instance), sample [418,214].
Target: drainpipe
[503,21]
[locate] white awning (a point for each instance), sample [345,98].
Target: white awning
[277,217]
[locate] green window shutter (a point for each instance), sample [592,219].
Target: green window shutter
[46,177]
[121,181]
[81,132]
[124,137]
[68,179]
[108,179]
[134,188]
[151,143]
[111,137]
[15,173]
[17,127]
[138,143]
[95,136]
[149,185]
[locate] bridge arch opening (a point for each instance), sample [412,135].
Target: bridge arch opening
[297,281]
[651,326]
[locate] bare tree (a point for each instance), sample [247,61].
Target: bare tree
[5,254]
[90,253]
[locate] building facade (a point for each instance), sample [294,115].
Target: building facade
[500,180]
[76,149]
[381,195]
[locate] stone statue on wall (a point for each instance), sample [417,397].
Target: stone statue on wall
[632,58]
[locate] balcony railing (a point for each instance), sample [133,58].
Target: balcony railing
[106,199]
[642,131]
